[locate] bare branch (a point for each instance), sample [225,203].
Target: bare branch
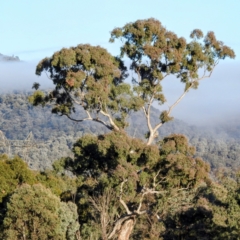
[144,111]
[101,204]
[146,192]
[90,119]
[77,120]
[171,108]
[114,126]
[178,100]
[155,177]
[121,200]
[147,113]
[210,73]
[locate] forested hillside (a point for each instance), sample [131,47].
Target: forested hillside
[53,136]
[92,159]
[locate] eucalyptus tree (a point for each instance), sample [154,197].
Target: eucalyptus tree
[156,53]
[129,188]
[34,212]
[89,78]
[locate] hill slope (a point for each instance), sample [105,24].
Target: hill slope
[41,137]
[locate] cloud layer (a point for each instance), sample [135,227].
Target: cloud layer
[217,99]
[20,76]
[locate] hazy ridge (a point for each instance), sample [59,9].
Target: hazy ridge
[51,137]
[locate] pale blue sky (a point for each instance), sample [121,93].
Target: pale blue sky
[34,29]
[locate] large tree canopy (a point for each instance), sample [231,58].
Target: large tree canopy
[156,53]
[131,190]
[87,77]
[124,188]
[128,185]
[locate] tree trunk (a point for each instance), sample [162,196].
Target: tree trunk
[126,229]
[151,138]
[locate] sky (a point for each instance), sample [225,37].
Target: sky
[36,29]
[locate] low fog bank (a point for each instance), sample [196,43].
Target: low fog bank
[20,76]
[216,101]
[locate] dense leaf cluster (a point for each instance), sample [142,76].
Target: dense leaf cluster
[155,53]
[113,186]
[168,192]
[89,77]
[30,203]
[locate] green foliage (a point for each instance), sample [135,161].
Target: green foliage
[164,117]
[87,77]
[116,161]
[167,53]
[54,136]
[33,212]
[59,185]
[37,98]
[14,172]
[155,53]
[214,215]
[105,152]
[90,78]
[69,220]
[178,163]
[163,190]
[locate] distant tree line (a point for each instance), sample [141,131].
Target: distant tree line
[125,179]
[54,136]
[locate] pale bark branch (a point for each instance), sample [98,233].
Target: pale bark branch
[89,118]
[146,192]
[110,126]
[118,226]
[155,177]
[121,200]
[154,130]
[147,112]
[144,111]
[114,126]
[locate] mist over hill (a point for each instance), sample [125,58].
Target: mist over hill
[5,58]
[216,137]
[214,102]
[16,75]
[41,137]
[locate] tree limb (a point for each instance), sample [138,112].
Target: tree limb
[114,126]
[118,225]
[121,200]
[89,118]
